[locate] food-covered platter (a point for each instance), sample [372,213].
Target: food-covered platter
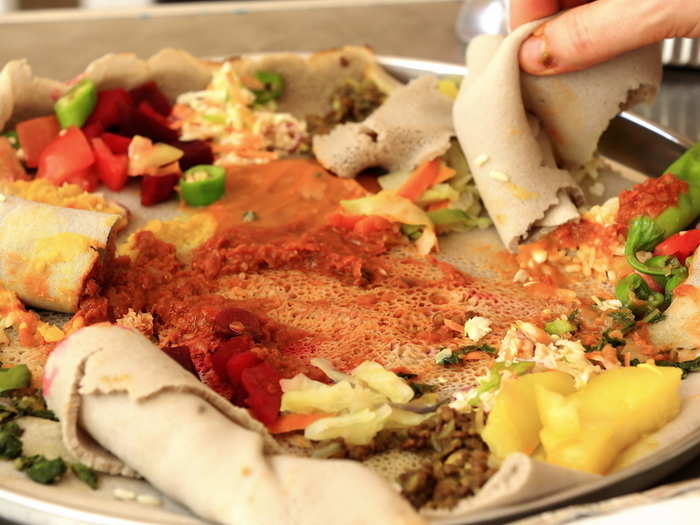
[632,146]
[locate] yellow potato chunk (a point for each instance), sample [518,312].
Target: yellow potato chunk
[587,430]
[514,423]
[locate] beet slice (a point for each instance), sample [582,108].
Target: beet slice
[194,152]
[157,188]
[151,93]
[145,121]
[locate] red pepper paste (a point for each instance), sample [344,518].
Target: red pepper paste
[651,197]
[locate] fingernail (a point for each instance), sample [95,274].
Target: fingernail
[534,56]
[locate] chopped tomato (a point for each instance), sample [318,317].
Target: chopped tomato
[681,245]
[92,130]
[228,349]
[110,167]
[262,384]
[34,135]
[238,363]
[157,188]
[66,157]
[88,179]
[117,143]
[112,104]
[10,166]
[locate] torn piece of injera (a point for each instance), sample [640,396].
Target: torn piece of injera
[513,157]
[413,125]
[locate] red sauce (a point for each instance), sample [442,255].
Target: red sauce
[651,197]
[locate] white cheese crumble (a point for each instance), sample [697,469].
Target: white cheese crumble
[606,305]
[566,356]
[476,328]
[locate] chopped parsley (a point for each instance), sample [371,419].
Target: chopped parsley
[685,366]
[42,470]
[85,474]
[10,443]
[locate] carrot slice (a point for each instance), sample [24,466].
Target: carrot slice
[476,355]
[291,422]
[422,178]
[444,173]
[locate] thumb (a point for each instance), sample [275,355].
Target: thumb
[598,31]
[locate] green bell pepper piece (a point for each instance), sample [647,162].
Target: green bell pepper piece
[74,108]
[203,184]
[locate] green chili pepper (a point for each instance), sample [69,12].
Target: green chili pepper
[676,218]
[15,377]
[273,87]
[74,108]
[559,327]
[203,184]
[634,293]
[643,235]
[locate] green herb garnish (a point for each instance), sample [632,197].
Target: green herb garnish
[42,470]
[10,444]
[85,474]
[685,366]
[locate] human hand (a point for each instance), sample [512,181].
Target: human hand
[590,32]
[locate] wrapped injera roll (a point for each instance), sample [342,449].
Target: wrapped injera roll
[47,253]
[126,407]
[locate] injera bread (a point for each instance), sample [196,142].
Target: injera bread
[47,253]
[413,125]
[515,158]
[309,81]
[113,388]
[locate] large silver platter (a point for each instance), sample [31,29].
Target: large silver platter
[631,141]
